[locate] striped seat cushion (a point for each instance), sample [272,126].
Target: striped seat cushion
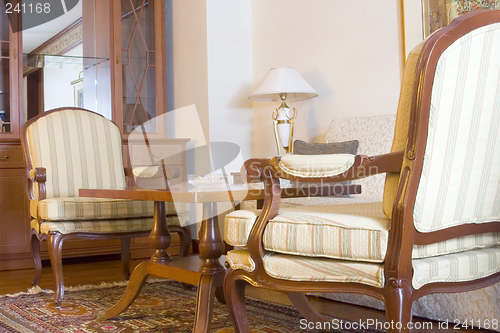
[105,226]
[357,231]
[330,231]
[82,208]
[297,268]
[315,166]
[456,267]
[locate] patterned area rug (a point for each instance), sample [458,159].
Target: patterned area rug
[161,307]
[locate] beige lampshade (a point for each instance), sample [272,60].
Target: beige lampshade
[283,80]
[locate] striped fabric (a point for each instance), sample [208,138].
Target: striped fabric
[298,268]
[105,226]
[457,267]
[79,149]
[456,245]
[237,226]
[330,232]
[349,231]
[357,231]
[315,166]
[460,180]
[399,141]
[448,268]
[82,208]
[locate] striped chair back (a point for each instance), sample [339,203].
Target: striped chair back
[460,179]
[78,149]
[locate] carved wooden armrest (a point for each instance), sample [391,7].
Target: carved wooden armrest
[37,176]
[269,171]
[362,166]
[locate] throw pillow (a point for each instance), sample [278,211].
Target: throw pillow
[304,148]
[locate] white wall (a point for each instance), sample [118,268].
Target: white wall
[230,74]
[413,24]
[58,91]
[187,66]
[347,50]
[211,67]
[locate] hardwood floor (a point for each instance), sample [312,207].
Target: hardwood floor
[108,269]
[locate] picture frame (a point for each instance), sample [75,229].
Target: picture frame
[439,13]
[78,91]
[79,97]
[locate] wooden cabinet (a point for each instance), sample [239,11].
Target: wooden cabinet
[132,35]
[139,68]
[10,80]
[168,152]
[14,221]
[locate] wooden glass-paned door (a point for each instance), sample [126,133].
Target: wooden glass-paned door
[139,49]
[9,70]
[4,73]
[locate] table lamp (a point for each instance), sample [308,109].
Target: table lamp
[283,84]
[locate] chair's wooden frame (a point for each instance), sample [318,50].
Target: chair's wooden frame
[398,293]
[56,239]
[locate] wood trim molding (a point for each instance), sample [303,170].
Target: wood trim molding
[59,44]
[63,41]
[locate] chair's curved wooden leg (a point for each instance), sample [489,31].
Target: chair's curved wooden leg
[125,255]
[234,293]
[303,305]
[55,254]
[185,239]
[185,244]
[219,294]
[135,284]
[35,254]
[398,306]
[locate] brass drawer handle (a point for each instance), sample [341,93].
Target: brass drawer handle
[156,155]
[5,158]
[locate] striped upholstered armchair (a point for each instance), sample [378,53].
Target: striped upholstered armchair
[68,149]
[438,228]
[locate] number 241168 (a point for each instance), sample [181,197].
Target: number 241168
[28,8]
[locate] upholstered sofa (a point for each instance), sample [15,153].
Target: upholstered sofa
[375,135]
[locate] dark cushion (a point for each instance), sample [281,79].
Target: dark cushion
[347,147]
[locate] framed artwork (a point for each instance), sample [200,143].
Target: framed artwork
[438,13]
[79,97]
[78,91]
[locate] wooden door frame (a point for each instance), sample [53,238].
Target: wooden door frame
[35,92]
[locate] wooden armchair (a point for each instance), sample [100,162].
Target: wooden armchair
[68,149]
[437,229]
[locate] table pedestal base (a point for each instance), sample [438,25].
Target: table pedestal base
[184,269]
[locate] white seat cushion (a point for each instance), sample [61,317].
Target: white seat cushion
[349,231]
[357,231]
[457,267]
[297,268]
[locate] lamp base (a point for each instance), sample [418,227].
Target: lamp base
[283,128]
